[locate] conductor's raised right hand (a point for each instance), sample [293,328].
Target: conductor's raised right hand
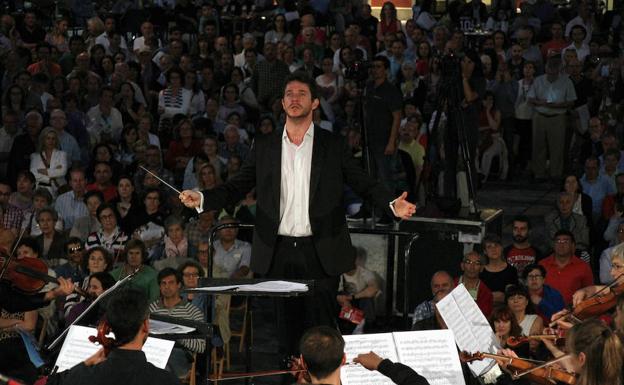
[190,198]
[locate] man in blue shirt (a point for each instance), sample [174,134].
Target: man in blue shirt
[595,185]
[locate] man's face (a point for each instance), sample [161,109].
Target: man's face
[152,157]
[397,49]
[557,31]
[472,266]
[25,252]
[441,285]
[297,101]
[10,123]
[46,223]
[270,51]
[516,51]
[611,162]
[152,201]
[102,174]
[190,276]
[169,287]
[134,258]
[595,129]
[591,169]
[577,35]
[379,70]
[147,29]
[520,231]
[220,44]
[524,38]
[24,185]
[74,252]
[5,193]
[609,142]
[228,234]
[206,219]
[203,254]
[564,247]
[565,205]
[535,280]
[78,183]
[109,23]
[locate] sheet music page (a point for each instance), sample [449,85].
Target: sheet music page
[431,353]
[274,286]
[78,348]
[382,344]
[470,327]
[162,327]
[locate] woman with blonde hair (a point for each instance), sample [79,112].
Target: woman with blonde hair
[207,177]
[49,164]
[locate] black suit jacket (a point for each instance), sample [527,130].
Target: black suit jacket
[332,167]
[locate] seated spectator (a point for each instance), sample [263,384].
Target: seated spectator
[70,205]
[521,252]
[103,175]
[41,199]
[497,274]
[173,100]
[126,154]
[23,196]
[85,225]
[127,204]
[74,268]
[106,122]
[578,33]
[210,151]
[566,272]
[472,266]
[582,203]
[607,254]
[96,260]
[111,237]
[46,64]
[175,248]
[172,304]
[505,325]
[182,149]
[358,288]
[426,316]
[564,219]
[518,301]
[546,300]
[207,177]
[611,202]
[232,144]
[190,272]
[134,258]
[103,152]
[51,242]
[231,256]
[153,162]
[199,230]
[98,283]
[11,215]
[50,164]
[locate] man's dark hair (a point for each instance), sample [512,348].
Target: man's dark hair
[522,218]
[564,233]
[73,241]
[127,309]
[530,268]
[31,243]
[302,77]
[169,271]
[384,60]
[107,89]
[28,175]
[322,349]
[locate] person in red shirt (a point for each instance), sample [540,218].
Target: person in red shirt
[557,43]
[564,271]
[45,64]
[103,174]
[521,253]
[182,149]
[472,265]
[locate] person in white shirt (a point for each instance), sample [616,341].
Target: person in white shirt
[147,39]
[105,121]
[49,163]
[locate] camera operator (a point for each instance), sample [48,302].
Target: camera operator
[464,116]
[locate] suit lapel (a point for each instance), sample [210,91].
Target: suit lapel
[318,157]
[275,152]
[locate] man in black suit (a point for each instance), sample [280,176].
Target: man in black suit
[301,232]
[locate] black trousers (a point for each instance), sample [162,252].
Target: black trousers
[296,258]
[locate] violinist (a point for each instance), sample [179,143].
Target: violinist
[505,325]
[128,316]
[517,299]
[617,274]
[596,353]
[322,354]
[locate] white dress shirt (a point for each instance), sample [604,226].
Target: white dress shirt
[295,186]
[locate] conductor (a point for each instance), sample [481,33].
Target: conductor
[300,232]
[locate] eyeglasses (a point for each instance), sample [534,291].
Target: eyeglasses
[72,250]
[469,262]
[203,251]
[191,275]
[562,241]
[617,267]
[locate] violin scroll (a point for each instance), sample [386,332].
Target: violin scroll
[107,343]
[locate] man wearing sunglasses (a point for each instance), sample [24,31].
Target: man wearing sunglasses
[74,268]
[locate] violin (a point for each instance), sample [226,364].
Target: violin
[28,275]
[101,339]
[519,367]
[558,339]
[596,305]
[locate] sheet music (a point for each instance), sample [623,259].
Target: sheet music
[266,286]
[432,354]
[382,344]
[78,348]
[471,329]
[162,327]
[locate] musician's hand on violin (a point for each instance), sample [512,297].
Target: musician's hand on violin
[191,199]
[65,288]
[95,359]
[368,360]
[578,297]
[559,319]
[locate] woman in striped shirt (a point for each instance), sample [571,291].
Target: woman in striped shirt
[110,237]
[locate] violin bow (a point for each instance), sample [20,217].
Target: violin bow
[237,376]
[12,254]
[161,179]
[543,365]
